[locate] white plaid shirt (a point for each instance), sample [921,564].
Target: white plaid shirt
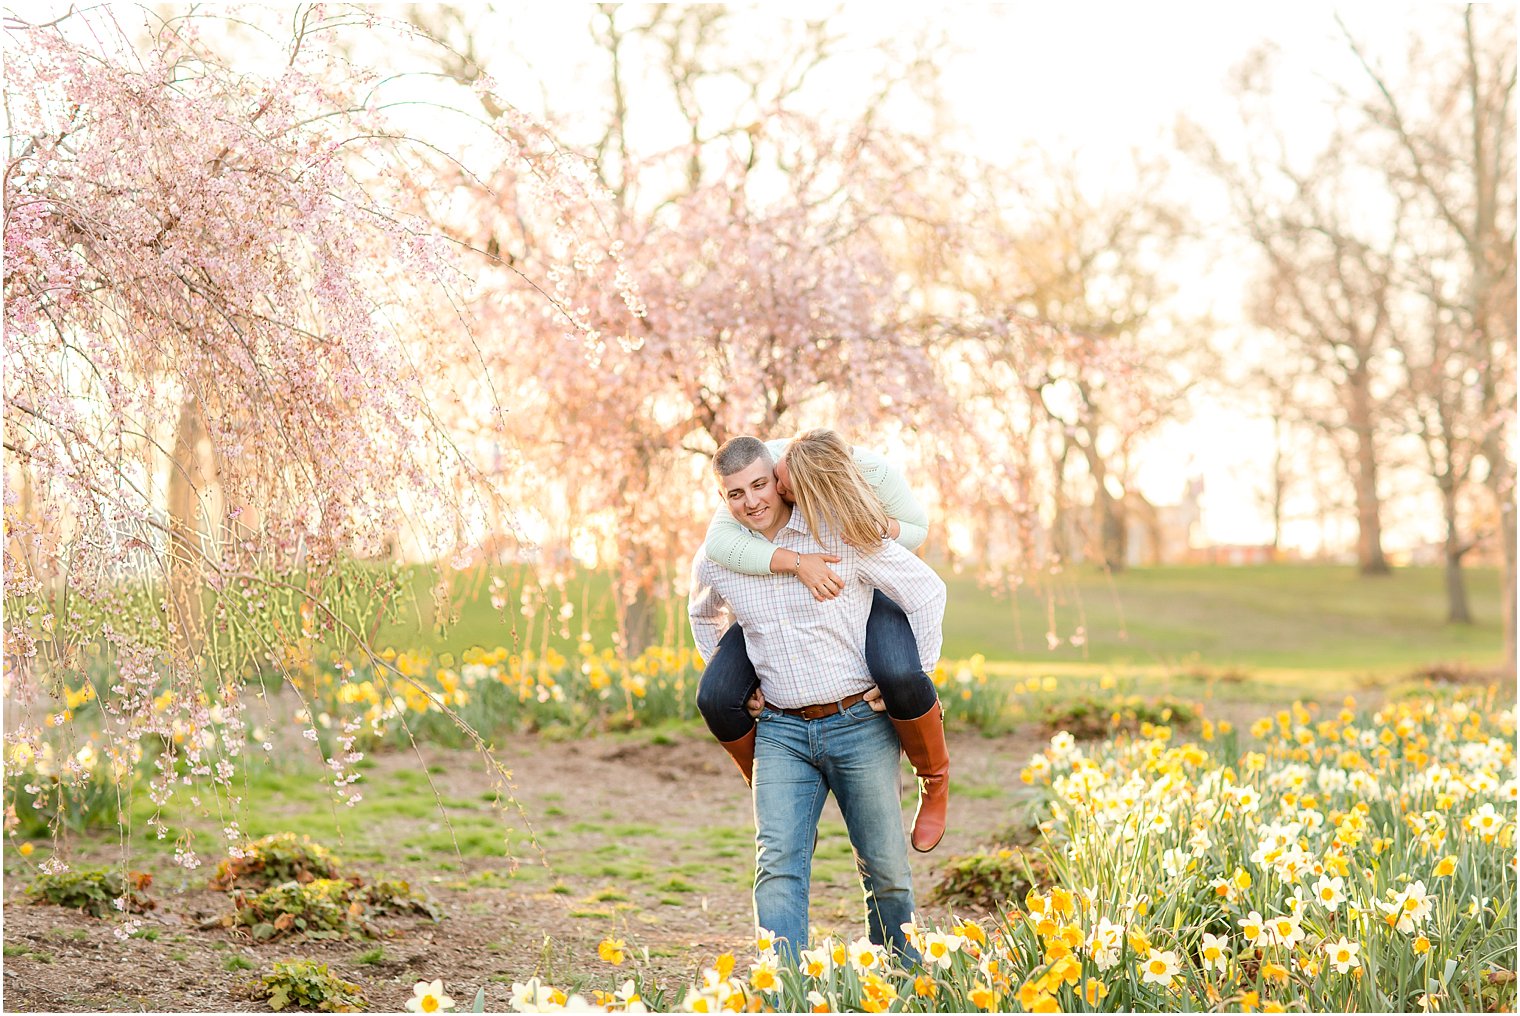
[805,652]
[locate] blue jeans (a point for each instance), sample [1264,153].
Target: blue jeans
[891,655]
[798,762]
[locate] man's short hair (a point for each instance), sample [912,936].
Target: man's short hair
[740,453]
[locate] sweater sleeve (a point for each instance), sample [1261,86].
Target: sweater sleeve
[896,497]
[733,546]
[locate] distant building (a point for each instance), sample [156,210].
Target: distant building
[1235,554]
[1162,533]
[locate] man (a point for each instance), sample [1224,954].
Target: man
[816,731]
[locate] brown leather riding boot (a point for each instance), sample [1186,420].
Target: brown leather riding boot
[743,751]
[923,741]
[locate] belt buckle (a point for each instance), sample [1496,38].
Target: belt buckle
[814,712]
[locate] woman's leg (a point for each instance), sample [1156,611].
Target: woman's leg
[726,684]
[892,655]
[913,706]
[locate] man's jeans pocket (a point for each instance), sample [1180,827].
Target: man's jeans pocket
[862,711]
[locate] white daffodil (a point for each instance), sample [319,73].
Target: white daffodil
[1330,892]
[428,996]
[1215,952]
[865,957]
[815,963]
[939,950]
[1160,967]
[1342,954]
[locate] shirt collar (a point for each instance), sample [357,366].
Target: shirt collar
[797,523]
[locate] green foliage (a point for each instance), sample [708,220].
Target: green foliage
[971,698]
[1091,717]
[93,890]
[236,962]
[321,908]
[306,985]
[989,879]
[74,803]
[281,857]
[413,695]
[325,908]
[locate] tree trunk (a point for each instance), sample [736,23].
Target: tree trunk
[1060,524]
[1111,522]
[638,623]
[1507,522]
[1109,509]
[1457,610]
[1369,537]
[188,482]
[1279,486]
[1501,482]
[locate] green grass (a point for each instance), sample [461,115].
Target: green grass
[608,895]
[1277,618]
[1273,618]
[283,796]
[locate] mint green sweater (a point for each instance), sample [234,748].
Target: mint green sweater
[735,546]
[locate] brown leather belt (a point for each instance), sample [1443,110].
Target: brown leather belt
[818,712]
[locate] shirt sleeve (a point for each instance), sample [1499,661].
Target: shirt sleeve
[707,611]
[896,497]
[733,546]
[915,588]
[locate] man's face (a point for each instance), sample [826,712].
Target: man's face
[752,498]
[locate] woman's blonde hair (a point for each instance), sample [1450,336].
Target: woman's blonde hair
[831,492]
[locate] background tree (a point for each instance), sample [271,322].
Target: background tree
[768,300]
[1324,290]
[221,313]
[1448,124]
[757,315]
[1085,340]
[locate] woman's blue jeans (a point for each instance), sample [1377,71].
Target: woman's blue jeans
[798,762]
[891,654]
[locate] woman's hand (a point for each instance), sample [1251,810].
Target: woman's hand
[815,573]
[812,570]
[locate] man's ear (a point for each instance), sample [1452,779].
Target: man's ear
[723,498]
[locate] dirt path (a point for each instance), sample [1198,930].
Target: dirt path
[642,839]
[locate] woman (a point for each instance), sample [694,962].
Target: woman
[859,496]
